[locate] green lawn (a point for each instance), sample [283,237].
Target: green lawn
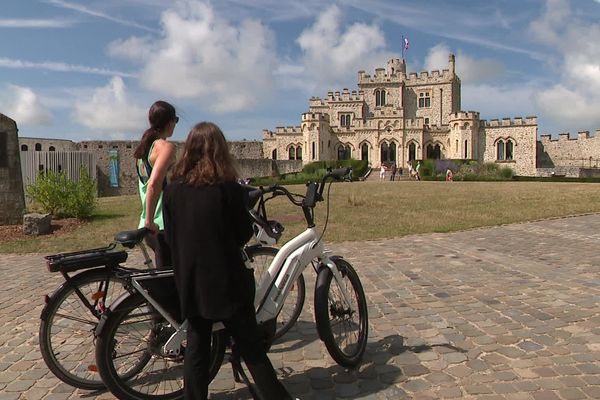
[367,210]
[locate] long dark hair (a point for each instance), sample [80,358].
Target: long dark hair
[159,116]
[206,159]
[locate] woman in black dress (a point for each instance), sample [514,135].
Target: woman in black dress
[206,224]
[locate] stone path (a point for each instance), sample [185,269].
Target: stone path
[510,312]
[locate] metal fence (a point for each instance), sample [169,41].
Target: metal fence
[69,162]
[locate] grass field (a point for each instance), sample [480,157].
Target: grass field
[366,210]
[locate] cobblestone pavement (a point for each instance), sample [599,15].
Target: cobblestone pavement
[508,312]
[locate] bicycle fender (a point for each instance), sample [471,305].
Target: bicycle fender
[44,313]
[104,316]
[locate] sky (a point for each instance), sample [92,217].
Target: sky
[90,69]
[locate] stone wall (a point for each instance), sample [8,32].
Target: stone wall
[581,151]
[12,202]
[523,133]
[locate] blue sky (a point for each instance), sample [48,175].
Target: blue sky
[84,70]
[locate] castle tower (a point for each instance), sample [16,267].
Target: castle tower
[464,138]
[11,181]
[395,65]
[316,134]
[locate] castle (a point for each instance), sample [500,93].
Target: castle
[397,117]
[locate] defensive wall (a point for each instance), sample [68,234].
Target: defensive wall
[581,151]
[249,156]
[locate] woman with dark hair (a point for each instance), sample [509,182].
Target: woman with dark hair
[206,225]
[154,157]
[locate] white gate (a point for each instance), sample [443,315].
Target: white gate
[69,162]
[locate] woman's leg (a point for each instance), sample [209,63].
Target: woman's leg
[197,359]
[250,343]
[162,253]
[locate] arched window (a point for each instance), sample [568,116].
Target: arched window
[313,150]
[292,153]
[379,98]
[466,149]
[388,152]
[274,154]
[51,148]
[345,120]
[509,150]
[344,152]
[364,152]
[24,147]
[299,153]
[500,150]
[412,152]
[38,147]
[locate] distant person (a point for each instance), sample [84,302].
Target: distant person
[449,175]
[417,170]
[350,174]
[154,157]
[393,174]
[382,173]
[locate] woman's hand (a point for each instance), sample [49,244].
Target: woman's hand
[152,227]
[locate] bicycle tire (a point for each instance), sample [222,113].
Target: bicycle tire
[67,347]
[331,312]
[132,326]
[260,258]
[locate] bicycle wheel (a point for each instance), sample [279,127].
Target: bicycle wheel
[67,326]
[130,357]
[343,327]
[261,258]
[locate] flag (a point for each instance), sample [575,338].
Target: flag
[406,43]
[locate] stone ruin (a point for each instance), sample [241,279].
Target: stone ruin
[12,199]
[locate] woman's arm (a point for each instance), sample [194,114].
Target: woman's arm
[165,153]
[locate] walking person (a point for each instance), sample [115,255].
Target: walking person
[154,157]
[382,172]
[393,174]
[206,225]
[417,168]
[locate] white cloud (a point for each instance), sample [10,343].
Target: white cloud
[204,57]
[574,98]
[469,69]
[108,109]
[24,106]
[332,56]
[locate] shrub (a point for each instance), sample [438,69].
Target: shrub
[58,195]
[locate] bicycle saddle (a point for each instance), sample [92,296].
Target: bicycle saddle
[131,238]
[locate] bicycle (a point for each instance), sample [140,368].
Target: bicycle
[72,311]
[129,328]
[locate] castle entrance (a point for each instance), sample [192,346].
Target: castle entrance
[434,152]
[388,153]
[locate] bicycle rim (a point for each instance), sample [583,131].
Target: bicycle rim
[343,326]
[67,332]
[130,358]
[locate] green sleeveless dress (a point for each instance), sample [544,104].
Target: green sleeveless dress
[144,169]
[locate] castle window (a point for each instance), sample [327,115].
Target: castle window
[466,149]
[85,146]
[51,148]
[38,147]
[500,150]
[24,147]
[274,154]
[344,152]
[388,152]
[364,152]
[379,98]
[427,121]
[299,153]
[412,152]
[345,120]
[100,146]
[313,150]
[509,150]
[292,153]
[424,100]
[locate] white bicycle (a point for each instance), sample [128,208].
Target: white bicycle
[146,321]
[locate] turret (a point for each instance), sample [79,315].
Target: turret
[395,65]
[451,64]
